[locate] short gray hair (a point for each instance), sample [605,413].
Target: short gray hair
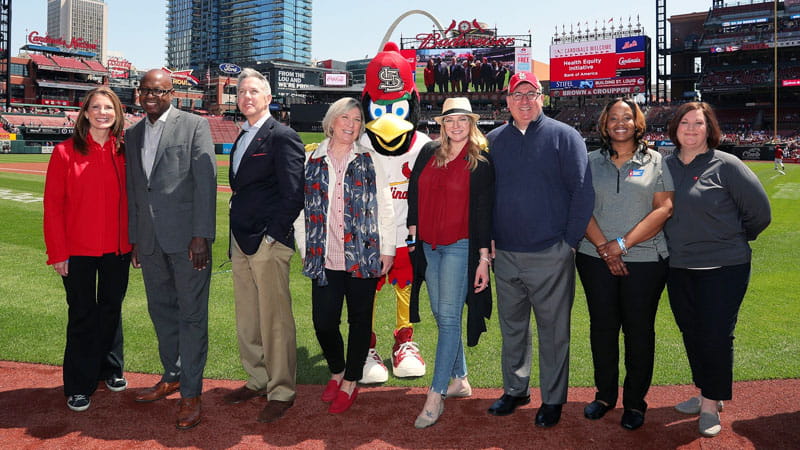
[253,73]
[338,108]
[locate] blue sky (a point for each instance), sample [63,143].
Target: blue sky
[345,30]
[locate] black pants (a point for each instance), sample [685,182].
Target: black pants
[95,289]
[629,302]
[706,306]
[327,312]
[114,362]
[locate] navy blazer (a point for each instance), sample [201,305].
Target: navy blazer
[268,187]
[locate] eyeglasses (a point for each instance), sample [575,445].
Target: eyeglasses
[144,92]
[532,95]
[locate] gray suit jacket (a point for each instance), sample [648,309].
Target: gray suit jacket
[178,201]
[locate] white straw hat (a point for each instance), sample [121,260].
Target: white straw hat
[456,106]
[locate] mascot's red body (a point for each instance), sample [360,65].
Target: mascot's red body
[390,102]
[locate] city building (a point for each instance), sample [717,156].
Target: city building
[202,34]
[78,21]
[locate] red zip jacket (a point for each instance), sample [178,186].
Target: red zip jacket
[85,203]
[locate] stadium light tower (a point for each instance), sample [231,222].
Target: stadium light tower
[5,43]
[775,72]
[661,50]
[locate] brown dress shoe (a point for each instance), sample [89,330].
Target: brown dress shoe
[189,413]
[157,392]
[242,394]
[274,410]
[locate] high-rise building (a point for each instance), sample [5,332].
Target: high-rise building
[202,34]
[79,19]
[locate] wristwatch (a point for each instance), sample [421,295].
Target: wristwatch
[411,240]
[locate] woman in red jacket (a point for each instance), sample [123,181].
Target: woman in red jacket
[86,234]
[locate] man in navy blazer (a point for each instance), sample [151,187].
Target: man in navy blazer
[266,176]
[172,198]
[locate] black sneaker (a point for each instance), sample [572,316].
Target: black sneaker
[116,384]
[78,402]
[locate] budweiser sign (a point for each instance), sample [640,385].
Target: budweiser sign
[464,34]
[77,43]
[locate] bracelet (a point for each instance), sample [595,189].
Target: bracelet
[621,243]
[483,258]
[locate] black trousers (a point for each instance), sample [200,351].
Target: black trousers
[326,302]
[95,289]
[630,303]
[706,304]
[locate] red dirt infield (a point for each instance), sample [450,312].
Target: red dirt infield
[34,414]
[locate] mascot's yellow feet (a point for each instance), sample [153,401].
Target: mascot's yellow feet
[374,369]
[406,360]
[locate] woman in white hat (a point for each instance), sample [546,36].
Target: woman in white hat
[450,199]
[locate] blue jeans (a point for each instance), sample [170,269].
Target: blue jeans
[447,280]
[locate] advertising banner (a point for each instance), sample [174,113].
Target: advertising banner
[118,67]
[606,58]
[592,84]
[523,59]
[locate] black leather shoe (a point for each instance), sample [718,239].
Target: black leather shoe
[632,419]
[596,410]
[506,404]
[548,415]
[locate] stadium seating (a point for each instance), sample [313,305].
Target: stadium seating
[222,131]
[69,63]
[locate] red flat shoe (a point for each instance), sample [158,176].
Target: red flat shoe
[343,402]
[329,394]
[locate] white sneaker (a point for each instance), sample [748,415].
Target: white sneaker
[374,369]
[407,362]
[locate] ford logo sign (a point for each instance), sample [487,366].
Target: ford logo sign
[229,68]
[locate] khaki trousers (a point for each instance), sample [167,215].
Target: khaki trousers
[264,322]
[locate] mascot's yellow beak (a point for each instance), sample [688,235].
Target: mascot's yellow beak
[389,127]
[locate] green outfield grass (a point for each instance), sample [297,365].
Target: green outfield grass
[33,310]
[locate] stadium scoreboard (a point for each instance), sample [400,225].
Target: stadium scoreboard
[614,66]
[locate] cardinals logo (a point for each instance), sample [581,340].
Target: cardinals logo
[406,170]
[390,80]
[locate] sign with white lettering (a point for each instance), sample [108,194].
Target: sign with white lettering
[595,60]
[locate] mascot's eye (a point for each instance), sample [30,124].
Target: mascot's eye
[400,109]
[376,110]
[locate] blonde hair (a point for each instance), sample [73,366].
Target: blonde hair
[475,143]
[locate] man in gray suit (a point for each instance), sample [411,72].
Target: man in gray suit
[172,188]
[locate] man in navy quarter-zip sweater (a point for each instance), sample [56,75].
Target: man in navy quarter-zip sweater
[543,202]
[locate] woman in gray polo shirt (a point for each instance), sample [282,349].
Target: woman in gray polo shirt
[720,205]
[622,262]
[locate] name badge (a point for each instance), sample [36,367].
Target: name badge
[636,172]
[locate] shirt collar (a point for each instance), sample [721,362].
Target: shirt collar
[162,118]
[247,127]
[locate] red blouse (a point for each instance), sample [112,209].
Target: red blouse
[85,203]
[444,201]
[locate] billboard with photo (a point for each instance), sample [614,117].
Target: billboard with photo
[616,58]
[504,55]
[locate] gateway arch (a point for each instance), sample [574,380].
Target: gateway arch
[397,21]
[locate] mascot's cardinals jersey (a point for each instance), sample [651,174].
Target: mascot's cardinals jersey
[398,172]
